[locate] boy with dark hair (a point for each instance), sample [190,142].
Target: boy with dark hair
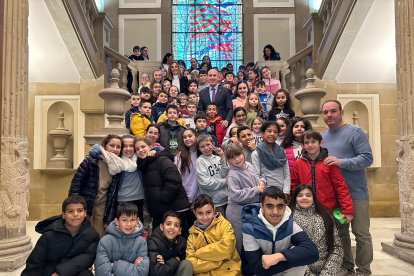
[145,94]
[246,138]
[135,100]
[229,76]
[202,79]
[135,56]
[214,122]
[202,127]
[123,250]
[327,182]
[171,131]
[160,106]
[167,248]
[265,97]
[191,111]
[141,120]
[67,245]
[272,241]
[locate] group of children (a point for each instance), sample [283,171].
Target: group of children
[253,198]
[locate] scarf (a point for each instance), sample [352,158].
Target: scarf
[271,159]
[130,163]
[114,162]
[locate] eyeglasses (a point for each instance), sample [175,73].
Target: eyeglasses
[152,132]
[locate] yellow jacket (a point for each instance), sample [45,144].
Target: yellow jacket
[213,251]
[139,124]
[163,118]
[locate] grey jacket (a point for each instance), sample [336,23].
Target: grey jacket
[117,253]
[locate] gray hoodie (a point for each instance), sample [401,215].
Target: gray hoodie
[211,173]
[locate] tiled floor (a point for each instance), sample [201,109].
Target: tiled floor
[382,230]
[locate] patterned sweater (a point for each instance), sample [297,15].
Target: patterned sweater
[312,224]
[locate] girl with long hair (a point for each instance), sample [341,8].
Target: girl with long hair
[186,162]
[97,178]
[281,106]
[254,108]
[292,144]
[177,79]
[317,222]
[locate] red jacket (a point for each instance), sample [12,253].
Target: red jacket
[331,188]
[217,128]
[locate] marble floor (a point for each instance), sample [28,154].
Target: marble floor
[382,230]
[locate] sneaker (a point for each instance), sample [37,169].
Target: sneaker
[346,271]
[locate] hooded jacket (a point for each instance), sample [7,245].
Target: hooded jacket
[289,239]
[58,251]
[157,110]
[139,124]
[128,115]
[117,252]
[170,136]
[331,188]
[85,183]
[163,187]
[158,244]
[213,251]
[216,128]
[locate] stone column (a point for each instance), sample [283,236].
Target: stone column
[403,244]
[14,178]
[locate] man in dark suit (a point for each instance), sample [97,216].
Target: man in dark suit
[218,94]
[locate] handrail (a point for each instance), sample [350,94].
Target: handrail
[298,64]
[326,27]
[83,15]
[115,60]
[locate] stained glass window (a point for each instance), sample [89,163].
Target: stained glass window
[208,27]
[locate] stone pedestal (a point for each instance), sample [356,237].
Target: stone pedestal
[60,137]
[114,106]
[14,178]
[310,99]
[403,244]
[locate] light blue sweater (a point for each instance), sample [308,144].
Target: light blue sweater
[350,144]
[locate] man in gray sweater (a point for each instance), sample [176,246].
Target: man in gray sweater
[349,149]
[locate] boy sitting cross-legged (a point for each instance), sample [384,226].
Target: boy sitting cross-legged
[167,248]
[123,250]
[67,245]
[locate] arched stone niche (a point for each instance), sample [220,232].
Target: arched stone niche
[47,109]
[53,114]
[363,110]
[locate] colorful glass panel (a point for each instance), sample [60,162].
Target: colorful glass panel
[208,27]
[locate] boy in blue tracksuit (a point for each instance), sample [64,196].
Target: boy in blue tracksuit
[273,243]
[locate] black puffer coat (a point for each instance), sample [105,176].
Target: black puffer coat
[158,244]
[58,251]
[85,183]
[163,187]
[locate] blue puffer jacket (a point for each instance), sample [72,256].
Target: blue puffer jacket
[85,183]
[117,253]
